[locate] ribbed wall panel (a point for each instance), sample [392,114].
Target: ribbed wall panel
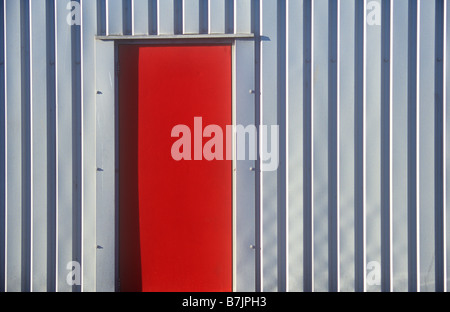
[358,89]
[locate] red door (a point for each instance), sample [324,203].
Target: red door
[175,216]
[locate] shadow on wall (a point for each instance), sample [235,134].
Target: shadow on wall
[129,241]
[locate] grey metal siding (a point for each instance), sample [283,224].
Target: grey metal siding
[362,109]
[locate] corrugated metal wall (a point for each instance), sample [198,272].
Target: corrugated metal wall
[357,87]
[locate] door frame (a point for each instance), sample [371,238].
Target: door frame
[245,246]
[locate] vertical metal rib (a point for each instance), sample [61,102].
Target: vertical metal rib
[165,17]
[386,149]
[204,20]
[258,199]
[26,146]
[308,224]
[2,147]
[229,16]
[38,69]
[14,118]
[127,17]
[216,16]
[439,173]
[77,147]
[269,117]
[51,147]
[281,185]
[101,17]
[333,146]
[88,178]
[178,16]
[360,147]
[445,148]
[140,17]
[153,17]
[413,128]
[114,16]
